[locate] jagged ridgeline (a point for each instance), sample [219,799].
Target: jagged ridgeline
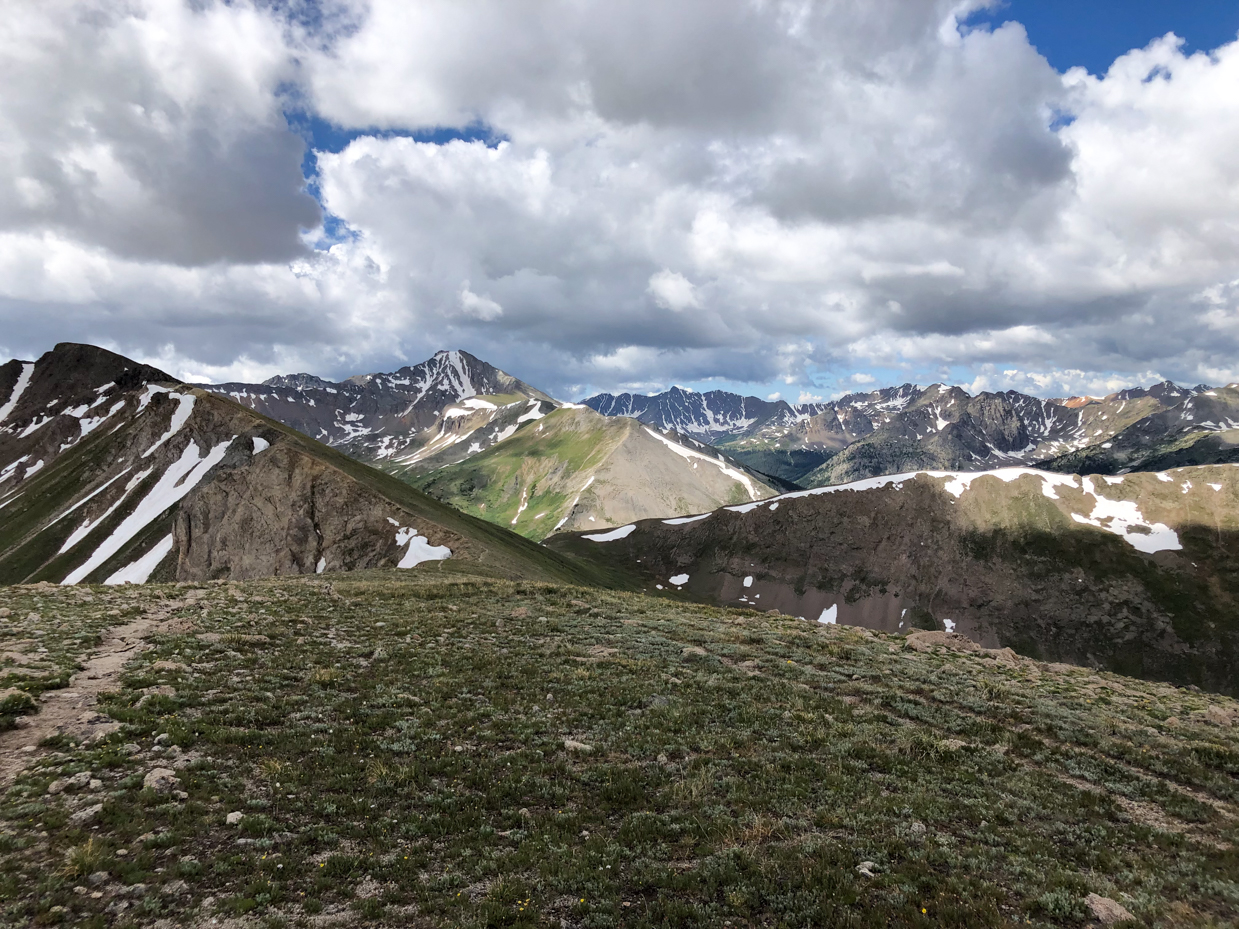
[1136,573]
[112,471]
[899,429]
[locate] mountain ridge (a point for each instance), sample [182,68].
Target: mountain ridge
[112,471]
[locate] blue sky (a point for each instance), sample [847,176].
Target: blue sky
[1092,33]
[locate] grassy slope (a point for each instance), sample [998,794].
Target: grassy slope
[742,767]
[554,463]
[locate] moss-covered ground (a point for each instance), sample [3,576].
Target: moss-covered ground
[435,749]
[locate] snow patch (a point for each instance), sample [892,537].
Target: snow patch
[140,570]
[621,533]
[748,581]
[179,479]
[419,549]
[260,445]
[534,412]
[681,520]
[185,406]
[23,381]
[86,528]
[1125,520]
[949,624]
[678,579]
[688,455]
[830,615]
[321,566]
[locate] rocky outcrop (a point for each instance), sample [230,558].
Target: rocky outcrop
[1139,574]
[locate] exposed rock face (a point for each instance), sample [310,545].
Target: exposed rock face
[112,472]
[1138,574]
[287,513]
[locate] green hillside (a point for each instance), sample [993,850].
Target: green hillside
[429,748]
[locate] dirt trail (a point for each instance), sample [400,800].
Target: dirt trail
[71,711]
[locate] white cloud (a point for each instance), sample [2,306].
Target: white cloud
[478,306]
[673,291]
[849,184]
[774,396]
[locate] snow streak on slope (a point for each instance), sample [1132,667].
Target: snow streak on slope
[23,380]
[177,481]
[690,455]
[1121,517]
[139,571]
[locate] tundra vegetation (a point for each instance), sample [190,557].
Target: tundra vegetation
[437,747]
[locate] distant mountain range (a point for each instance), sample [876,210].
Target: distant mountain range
[490,444]
[905,428]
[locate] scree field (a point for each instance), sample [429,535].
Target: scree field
[433,748]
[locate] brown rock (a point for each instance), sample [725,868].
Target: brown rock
[161,780]
[1107,911]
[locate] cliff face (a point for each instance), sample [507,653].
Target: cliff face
[1138,574]
[112,471]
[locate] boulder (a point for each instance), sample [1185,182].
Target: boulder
[1107,911]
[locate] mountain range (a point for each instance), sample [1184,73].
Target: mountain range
[113,471]
[905,428]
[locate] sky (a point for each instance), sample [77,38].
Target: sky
[785,197]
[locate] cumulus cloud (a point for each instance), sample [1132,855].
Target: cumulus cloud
[667,192]
[152,129]
[673,291]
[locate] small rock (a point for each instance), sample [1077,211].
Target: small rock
[163,665]
[176,888]
[866,868]
[94,784]
[234,817]
[1107,911]
[161,780]
[917,829]
[162,738]
[76,782]
[690,651]
[661,759]
[83,817]
[519,613]
[574,746]
[5,613]
[131,748]
[99,877]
